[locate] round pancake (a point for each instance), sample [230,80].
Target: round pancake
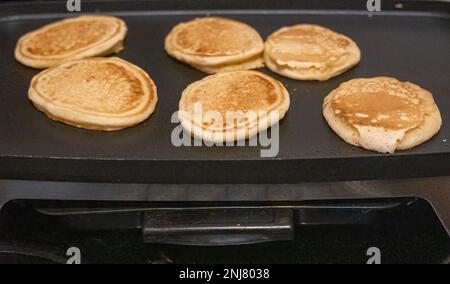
[310,52]
[215,45]
[97,93]
[382,114]
[70,39]
[246,102]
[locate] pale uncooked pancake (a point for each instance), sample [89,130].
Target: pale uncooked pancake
[97,93]
[310,52]
[215,45]
[70,39]
[232,106]
[382,114]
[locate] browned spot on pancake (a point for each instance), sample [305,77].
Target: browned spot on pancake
[215,37]
[68,37]
[271,99]
[93,86]
[378,109]
[342,42]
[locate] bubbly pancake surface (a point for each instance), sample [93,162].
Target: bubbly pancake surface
[235,93]
[73,38]
[215,37]
[245,92]
[308,45]
[93,86]
[380,109]
[310,52]
[214,45]
[98,93]
[66,38]
[381,112]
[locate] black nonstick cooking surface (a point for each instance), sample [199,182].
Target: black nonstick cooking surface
[409,44]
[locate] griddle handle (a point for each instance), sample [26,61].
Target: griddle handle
[217,227]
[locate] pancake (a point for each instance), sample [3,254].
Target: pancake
[232,106]
[214,45]
[382,114]
[70,39]
[310,52]
[97,93]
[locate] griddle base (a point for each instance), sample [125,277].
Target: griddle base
[434,190]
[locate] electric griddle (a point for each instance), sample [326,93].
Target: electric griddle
[45,160]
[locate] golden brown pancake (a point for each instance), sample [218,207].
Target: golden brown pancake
[232,106]
[382,114]
[215,45]
[310,52]
[98,93]
[69,39]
